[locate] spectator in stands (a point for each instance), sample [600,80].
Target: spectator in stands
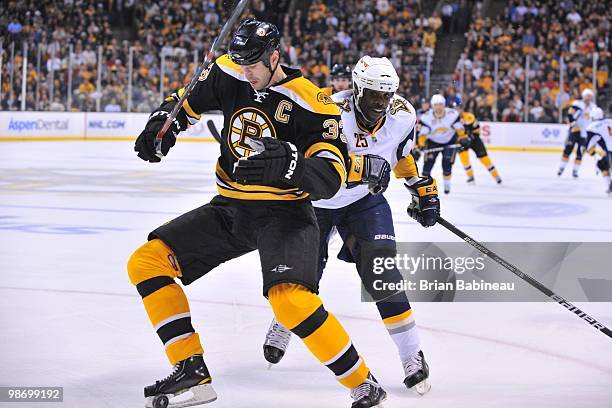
[547,31]
[510,114]
[536,111]
[113,106]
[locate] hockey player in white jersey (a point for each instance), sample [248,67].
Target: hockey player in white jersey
[579,115]
[441,131]
[599,133]
[376,122]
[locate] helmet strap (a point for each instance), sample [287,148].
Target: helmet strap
[269,66]
[358,94]
[361,118]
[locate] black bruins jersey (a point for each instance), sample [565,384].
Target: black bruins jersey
[470,124]
[293,110]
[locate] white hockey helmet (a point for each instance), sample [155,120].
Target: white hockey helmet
[587,92]
[597,114]
[373,73]
[437,99]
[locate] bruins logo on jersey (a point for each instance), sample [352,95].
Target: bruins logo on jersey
[205,73]
[398,105]
[326,100]
[248,122]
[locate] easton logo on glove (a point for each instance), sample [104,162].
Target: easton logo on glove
[293,163]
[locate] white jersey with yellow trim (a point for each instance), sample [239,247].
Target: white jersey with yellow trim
[580,115]
[392,139]
[440,129]
[602,130]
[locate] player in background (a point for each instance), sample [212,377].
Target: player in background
[379,122]
[340,75]
[441,128]
[599,132]
[282,145]
[472,130]
[579,115]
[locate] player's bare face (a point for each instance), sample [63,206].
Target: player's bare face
[257,74]
[341,84]
[374,104]
[438,109]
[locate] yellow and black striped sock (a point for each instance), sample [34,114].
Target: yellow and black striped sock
[302,312]
[486,161]
[464,156]
[152,268]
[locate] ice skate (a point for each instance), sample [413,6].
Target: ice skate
[416,371]
[471,180]
[369,394]
[275,345]
[189,376]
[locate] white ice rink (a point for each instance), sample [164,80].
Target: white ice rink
[71,213]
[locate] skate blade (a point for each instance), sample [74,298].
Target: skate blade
[202,394]
[380,404]
[422,388]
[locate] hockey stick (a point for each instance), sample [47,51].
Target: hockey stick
[204,66]
[213,130]
[439,149]
[533,282]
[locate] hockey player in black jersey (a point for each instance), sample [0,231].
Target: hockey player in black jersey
[472,130]
[282,145]
[340,79]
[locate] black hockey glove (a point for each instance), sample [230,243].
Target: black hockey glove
[465,142]
[425,206]
[416,153]
[371,170]
[145,143]
[275,161]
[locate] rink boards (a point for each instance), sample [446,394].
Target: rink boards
[536,137]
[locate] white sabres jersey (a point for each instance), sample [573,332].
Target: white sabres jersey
[582,115]
[392,139]
[603,129]
[440,130]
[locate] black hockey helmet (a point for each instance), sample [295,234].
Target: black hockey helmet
[341,71]
[254,41]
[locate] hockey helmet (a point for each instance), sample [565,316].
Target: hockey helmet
[254,41]
[586,92]
[437,99]
[340,71]
[377,74]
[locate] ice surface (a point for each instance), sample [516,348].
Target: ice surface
[71,213]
